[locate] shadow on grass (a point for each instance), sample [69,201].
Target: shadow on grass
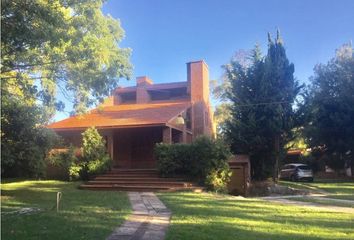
[83,215]
[231,219]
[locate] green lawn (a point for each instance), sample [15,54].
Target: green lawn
[334,188]
[209,216]
[342,196]
[323,201]
[84,214]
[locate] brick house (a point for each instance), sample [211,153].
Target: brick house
[135,118]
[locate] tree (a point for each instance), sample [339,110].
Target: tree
[262,95]
[50,47]
[24,142]
[65,45]
[330,109]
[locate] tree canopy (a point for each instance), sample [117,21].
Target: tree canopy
[330,108]
[262,96]
[61,45]
[66,47]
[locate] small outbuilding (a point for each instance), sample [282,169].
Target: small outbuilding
[241,175]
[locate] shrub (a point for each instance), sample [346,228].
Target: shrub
[172,158]
[205,160]
[95,159]
[99,166]
[65,161]
[217,179]
[75,171]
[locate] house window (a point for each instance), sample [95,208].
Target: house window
[129,97]
[168,94]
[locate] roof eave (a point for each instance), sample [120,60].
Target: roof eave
[109,127]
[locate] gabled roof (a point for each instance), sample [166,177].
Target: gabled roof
[125,115]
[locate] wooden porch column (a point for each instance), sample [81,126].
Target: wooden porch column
[167,135]
[184,134]
[110,144]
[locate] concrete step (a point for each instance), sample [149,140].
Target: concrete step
[131,174]
[123,187]
[122,170]
[135,179]
[142,183]
[138,188]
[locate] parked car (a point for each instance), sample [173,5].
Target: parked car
[296,172]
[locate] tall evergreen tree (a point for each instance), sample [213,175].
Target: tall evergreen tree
[330,109]
[262,112]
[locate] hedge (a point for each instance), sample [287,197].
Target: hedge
[204,160]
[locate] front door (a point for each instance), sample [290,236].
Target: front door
[134,148]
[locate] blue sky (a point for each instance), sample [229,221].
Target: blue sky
[166,34]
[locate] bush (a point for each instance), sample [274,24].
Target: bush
[75,172]
[99,166]
[65,161]
[217,179]
[95,159]
[205,160]
[172,158]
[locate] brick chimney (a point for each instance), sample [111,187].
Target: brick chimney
[198,86]
[198,81]
[142,95]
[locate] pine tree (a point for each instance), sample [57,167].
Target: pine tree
[262,113]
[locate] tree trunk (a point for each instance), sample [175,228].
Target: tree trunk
[276,162]
[352,165]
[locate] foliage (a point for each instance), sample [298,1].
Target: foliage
[50,48]
[67,161]
[218,179]
[93,145]
[205,160]
[171,159]
[221,115]
[98,212]
[24,142]
[99,165]
[261,95]
[329,109]
[95,159]
[75,171]
[66,45]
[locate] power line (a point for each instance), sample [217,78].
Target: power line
[263,103]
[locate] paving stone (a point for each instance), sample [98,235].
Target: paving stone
[153,235]
[149,221]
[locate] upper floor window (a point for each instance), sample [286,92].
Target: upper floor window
[168,94]
[128,97]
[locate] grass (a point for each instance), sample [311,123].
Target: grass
[209,216]
[84,214]
[342,196]
[332,187]
[323,201]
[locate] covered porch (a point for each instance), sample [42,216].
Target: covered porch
[134,147]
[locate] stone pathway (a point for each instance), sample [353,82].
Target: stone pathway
[149,221]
